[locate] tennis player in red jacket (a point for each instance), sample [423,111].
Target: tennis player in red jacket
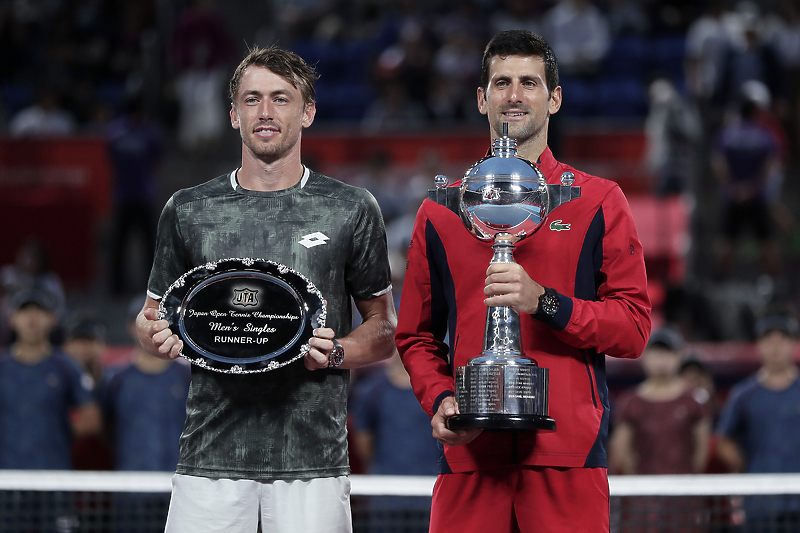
[589,253]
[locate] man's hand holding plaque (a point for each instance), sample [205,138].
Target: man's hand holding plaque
[322,349]
[167,343]
[242,316]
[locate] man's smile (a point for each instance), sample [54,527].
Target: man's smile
[266,130]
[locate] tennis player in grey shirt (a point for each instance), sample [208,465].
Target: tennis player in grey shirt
[271,447]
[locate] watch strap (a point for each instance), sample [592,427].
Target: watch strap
[548,304]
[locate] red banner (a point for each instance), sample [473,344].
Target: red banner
[54,189]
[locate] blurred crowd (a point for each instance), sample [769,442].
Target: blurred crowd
[716,85]
[383,65]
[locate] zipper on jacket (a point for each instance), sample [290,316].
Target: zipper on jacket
[453,357]
[587,362]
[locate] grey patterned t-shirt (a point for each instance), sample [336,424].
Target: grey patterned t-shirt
[288,423]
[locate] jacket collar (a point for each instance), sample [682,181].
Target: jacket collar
[549,166]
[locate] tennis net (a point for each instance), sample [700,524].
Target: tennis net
[127,502]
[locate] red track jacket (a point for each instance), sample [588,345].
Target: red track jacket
[589,251]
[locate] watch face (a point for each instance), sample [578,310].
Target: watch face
[337,355]
[549,303]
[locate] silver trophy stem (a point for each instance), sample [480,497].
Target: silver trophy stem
[502,337]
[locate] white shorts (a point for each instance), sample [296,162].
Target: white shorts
[199,504]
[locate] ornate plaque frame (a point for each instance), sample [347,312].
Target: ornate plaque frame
[243,315]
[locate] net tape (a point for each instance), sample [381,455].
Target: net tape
[154,482]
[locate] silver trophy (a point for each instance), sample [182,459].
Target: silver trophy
[503,198]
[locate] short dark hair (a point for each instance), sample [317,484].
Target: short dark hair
[520,43]
[283,63]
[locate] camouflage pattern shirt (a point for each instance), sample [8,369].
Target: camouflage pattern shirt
[288,423]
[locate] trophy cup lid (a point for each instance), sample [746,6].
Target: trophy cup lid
[503,194]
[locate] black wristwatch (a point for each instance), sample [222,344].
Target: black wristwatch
[548,305]
[337,355]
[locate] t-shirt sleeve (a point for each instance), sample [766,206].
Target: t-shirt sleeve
[625,412]
[365,406]
[170,260]
[730,420]
[368,274]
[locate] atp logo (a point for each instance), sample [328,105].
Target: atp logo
[314,239]
[245,297]
[558,225]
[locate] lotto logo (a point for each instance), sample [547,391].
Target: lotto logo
[314,239]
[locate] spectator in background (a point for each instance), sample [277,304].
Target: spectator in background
[673,132]
[144,404]
[135,147]
[750,56]
[378,177]
[39,388]
[662,427]
[393,437]
[45,118]
[415,190]
[85,342]
[784,38]
[394,111]
[627,17]
[759,426]
[760,94]
[699,380]
[745,155]
[455,68]
[579,34]
[393,433]
[202,50]
[408,60]
[31,269]
[46,401]
[707,45]
[517,15]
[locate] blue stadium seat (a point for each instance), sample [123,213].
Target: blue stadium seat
[353,58]
[112,93]
[16,96]
[669,52]
[578,97]
[621,97]
[350,101]
[319,55]
[326,101]
[629,55]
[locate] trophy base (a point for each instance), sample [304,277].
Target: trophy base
[501,422]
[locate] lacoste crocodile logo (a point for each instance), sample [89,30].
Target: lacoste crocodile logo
[558,225]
